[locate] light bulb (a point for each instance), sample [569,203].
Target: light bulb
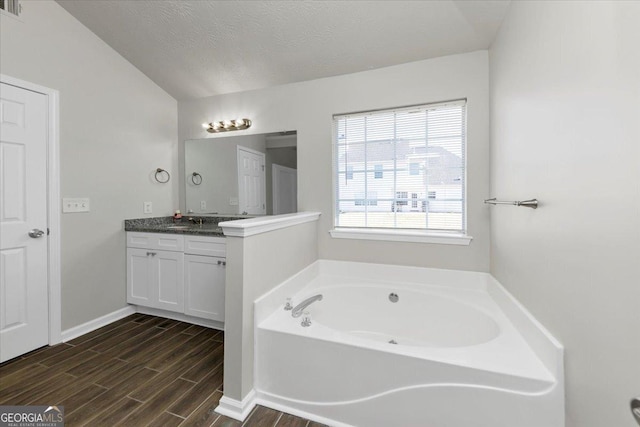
[227,124]
[205,125]
[239,123]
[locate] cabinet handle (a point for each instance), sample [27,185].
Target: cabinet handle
[223,263]
[151,253]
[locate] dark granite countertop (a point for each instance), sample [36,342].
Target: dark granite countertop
[201,225]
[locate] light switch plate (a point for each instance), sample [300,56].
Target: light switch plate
[147,207]
[75,205]
[233,201]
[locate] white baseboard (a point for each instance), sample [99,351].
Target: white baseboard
[235,409]
[92,325]
[181,317]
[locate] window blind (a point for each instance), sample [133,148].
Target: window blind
[401,168]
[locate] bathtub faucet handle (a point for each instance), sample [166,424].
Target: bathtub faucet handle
[306,319]
[287,305]
[298,309]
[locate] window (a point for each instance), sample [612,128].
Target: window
[396,162]
[11,6]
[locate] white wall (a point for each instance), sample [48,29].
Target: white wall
[308,108]
[261,269]
[565,88]
[116,127]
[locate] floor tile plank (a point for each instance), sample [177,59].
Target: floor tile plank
[262,417]
[102,405]
[101,331]
[154,346]
[223,421]
[158,404]
[166,420]
[80,398]
[37,394]
[21,381]
[191,400]
[203,367]
[205,414]
[121,410]
[176,351]
[288,420]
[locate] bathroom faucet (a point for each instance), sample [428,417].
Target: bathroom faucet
[298,309]
[196,221]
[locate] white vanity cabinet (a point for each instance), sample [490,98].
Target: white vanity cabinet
[178,273]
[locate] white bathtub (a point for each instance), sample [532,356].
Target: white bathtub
[454,350]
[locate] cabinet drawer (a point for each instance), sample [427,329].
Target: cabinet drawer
[208,246]
[160,241]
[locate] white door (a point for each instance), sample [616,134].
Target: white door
[285,189]
[24,314]
[251,182]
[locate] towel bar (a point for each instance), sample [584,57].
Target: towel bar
[531,203]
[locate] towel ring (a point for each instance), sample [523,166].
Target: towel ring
[196,178]
[159,176]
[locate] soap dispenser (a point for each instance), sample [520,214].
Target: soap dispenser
[177,216]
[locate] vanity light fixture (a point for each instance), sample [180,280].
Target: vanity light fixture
[227,125]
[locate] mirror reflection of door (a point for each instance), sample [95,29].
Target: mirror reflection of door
[215,187]
[285,189]
[252,192]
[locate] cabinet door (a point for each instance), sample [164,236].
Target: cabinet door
[204,286]
[139,280]
[155,279]
[168,268]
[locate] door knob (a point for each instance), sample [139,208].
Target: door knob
[35,233]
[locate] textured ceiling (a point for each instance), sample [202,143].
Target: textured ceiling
[200,48]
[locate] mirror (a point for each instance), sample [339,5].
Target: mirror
[243,174]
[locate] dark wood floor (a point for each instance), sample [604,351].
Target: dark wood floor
[138,371]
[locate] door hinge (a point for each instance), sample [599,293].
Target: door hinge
[48,231]
[262,168]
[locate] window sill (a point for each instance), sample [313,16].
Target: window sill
[416,236]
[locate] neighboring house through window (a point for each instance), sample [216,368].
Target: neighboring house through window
[414,168]
[405,166]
